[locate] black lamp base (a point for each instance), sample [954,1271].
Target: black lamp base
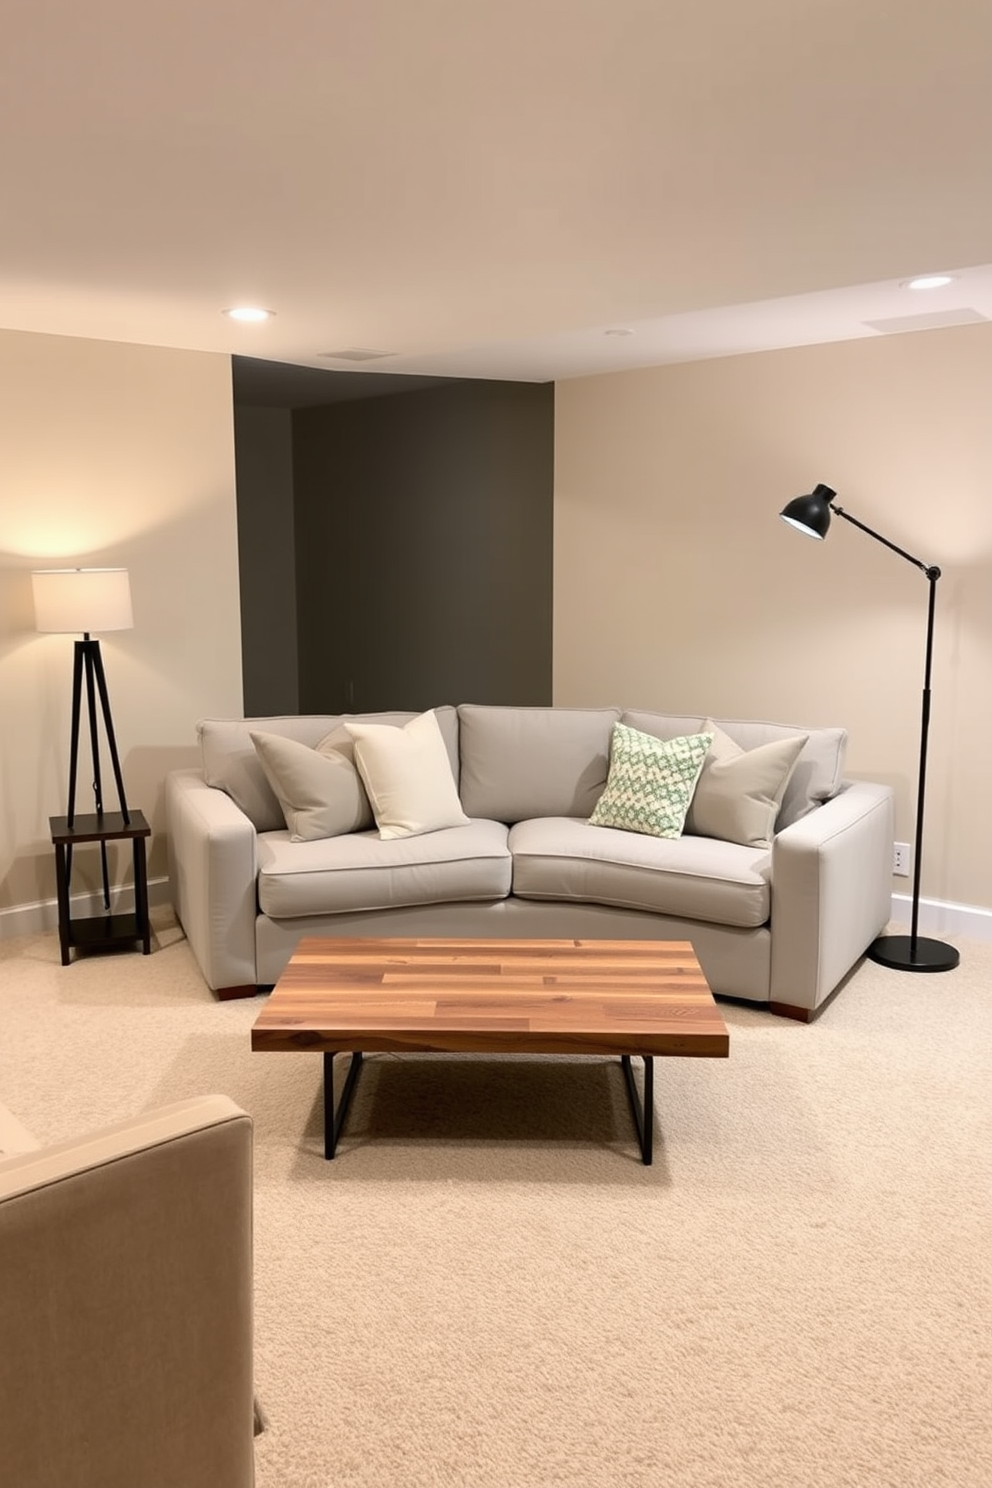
[899,952]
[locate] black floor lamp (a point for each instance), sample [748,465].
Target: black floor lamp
[913,952]
[82,600]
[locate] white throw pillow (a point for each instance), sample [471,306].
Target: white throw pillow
[319,790]
[738,794]
[407,774]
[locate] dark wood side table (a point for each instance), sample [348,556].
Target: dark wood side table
[101,931]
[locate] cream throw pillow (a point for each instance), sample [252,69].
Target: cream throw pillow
[739,791]
[407,774]
[319,790]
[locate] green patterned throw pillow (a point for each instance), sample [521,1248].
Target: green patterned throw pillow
[651,782]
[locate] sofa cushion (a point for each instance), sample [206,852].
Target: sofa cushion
[361,872]
[408,776]
[231,764]
[518,763]
[739,791]
[818,771]
[319,790]
[696,878]
[651,781]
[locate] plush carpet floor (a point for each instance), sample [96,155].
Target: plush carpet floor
[486,1289]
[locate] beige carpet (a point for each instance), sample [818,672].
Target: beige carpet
[486,1289]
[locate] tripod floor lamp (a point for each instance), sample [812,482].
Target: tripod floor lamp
[70,601]
[913,952]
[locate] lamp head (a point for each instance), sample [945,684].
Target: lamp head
[82,599]
[810,514]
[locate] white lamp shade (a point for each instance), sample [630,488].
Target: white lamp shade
[82,599]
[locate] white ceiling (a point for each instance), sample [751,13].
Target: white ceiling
[485,188]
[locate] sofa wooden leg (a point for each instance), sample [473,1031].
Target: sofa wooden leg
[786,1010]
[248,989]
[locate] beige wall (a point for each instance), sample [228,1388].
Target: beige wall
[677,587]
[117,455]
[675,584]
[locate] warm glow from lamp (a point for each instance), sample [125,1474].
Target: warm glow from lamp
[249,313]
[82,600]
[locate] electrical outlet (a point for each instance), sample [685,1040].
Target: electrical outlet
[900,859]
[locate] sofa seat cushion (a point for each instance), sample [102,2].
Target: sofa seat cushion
[361,871]
[697,878]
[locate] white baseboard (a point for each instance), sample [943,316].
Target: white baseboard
[32,919]
[938,917]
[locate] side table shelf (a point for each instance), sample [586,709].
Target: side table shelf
[101,931]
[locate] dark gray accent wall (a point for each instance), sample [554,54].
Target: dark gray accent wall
[263,440]
[424,548]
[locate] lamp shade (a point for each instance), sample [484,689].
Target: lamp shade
[810,513]
[82,599]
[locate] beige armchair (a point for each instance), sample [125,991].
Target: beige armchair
[126,1303]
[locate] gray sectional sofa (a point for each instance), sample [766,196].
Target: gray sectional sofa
[779,924]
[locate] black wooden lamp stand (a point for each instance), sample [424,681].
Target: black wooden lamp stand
[91,599]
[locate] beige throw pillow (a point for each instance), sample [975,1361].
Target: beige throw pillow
[407,774]
[739,791]
[319,790]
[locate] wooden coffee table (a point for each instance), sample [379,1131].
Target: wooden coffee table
[621,997]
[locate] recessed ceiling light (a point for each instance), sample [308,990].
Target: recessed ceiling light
[248,312]
[619,331]
[930,281]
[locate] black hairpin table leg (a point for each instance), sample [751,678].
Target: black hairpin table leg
[334,1119]
[643,1112]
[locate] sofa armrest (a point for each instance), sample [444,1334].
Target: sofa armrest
[831,892]
[126,1305]
[213,866]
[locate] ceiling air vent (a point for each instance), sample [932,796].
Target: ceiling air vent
[354,354]
[931,322]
